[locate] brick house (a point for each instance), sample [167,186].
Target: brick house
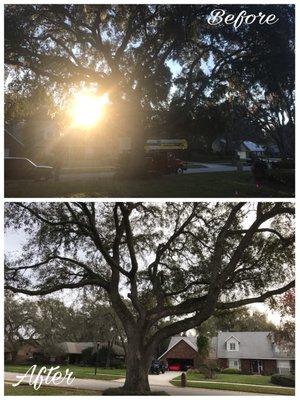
[182,350]
[71,352]
[250,352]
[23,353]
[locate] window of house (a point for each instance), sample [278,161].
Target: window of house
[232,344]
[234,363]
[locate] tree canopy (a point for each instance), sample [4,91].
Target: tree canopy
[285,335]
[132,51]
[237,320]
[173,262]
[49,321]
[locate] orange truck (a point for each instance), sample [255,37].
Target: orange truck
[162,155]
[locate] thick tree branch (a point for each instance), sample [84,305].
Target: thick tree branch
[258,299]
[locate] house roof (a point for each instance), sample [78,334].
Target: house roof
[251,146]
[190,340]
[78,347]
[8,347]
[75,347]
[238,145]
[253,345]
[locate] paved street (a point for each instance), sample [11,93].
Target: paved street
[209,167]
[108,174]
[157,383]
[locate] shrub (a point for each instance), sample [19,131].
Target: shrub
[282,176]
[283,380]
[209,369]
[122,392]
[284,164]
[231,371]
[89,358]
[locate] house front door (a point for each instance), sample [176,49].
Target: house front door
[256,366]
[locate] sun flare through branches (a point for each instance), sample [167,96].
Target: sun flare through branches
[87,109]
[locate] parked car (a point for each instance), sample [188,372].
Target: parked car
[162,367]
[23,168]
[175,367]
[155,367]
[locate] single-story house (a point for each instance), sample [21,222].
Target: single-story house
[248,148]
[29,351]
[250,352]
[244,149]
[71,352]
[23,353]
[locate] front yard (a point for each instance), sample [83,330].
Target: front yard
[78,372]
[235,382]
[26,390]
[213,184]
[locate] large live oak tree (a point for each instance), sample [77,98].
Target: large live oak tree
[119,49]
[166,268]
[126,50]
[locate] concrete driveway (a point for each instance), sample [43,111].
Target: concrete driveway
[159,380]
[157,383]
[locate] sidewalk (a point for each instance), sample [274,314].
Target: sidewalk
[94,384]
[237,384]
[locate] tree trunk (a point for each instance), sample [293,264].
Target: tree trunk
[137,369]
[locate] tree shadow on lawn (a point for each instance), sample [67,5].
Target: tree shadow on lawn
[217,184]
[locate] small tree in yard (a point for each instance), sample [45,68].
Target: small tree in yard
[203,344]
[165,268]
[284,335]
[203,347]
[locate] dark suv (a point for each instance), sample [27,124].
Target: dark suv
[23,168]
[157,367]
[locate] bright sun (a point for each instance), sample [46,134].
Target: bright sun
[87,109]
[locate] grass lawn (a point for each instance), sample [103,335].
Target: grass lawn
[26,390]
[78,372]
[232,381]
[240,388]
[235,378]
[213,184]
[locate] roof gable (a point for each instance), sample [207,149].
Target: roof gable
[175,340]
[230,337]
